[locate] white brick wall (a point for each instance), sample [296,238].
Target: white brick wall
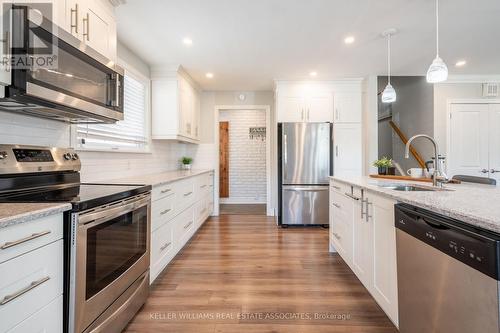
[247,158]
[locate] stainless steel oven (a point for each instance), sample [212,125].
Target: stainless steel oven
[65,79]
[109,270]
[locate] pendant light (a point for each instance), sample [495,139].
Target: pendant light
[438,71]
[389,94]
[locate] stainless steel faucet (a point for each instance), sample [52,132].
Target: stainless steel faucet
[437,167]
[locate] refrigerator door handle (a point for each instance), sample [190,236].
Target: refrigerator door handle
[285,157]
[306,189]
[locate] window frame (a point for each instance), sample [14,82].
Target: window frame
[146,149]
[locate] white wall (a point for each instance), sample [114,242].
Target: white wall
[205,154]
[96,166]
[247,157]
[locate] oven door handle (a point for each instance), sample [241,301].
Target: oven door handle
[92,219]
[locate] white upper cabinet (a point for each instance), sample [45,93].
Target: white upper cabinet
[175,108]
[93,22]
[347,107]
[302,102]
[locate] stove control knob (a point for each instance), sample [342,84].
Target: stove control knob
[3,155]
[74,157]
[67,156]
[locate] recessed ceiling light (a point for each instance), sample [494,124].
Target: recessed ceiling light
[313,74]
[209,75]
[460,63]
[349,39]
[187,41]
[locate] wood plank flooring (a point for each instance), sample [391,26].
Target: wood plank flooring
[240,273]
[242,209]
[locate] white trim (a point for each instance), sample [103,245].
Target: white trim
[241,201]
[472,79]
[269,206]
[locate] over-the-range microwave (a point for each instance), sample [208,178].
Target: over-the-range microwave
[55,75]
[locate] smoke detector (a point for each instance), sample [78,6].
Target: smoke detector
[491,89]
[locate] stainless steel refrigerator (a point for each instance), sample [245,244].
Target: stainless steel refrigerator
[305,162]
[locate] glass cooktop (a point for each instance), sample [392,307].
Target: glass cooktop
[81,196]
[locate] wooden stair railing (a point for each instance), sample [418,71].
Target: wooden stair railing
[404,139]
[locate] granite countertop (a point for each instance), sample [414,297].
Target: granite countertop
[15,213]
[161,178]
[475,204]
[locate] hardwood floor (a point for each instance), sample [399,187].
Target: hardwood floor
[242,209]
[244,274]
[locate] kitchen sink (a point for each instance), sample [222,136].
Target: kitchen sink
[410,188]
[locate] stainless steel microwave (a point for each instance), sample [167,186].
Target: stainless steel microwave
[56,76]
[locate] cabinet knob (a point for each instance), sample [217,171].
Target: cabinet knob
[484,171]
[494,171]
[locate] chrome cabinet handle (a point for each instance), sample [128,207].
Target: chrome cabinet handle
[494,171]
[74,25]
[336,236]
[165,211]
[165,191]
[188,194]
[203,186]
[336,187]
[32,285]
[165,246]
[187,225]
[24,240]
[367,213]
[86,20]
[336,114]
[337,150]
[336,205]
[352,196]
[484,171]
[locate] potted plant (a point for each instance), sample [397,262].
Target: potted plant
[186,162]
[384,166]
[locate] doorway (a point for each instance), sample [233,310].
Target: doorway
[243,164]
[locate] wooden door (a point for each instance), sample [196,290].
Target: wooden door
[469,140]
[224,159]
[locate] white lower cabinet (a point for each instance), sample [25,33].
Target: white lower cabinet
[31,283]
[178,209]
[362,232]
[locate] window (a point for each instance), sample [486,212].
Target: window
[130,134]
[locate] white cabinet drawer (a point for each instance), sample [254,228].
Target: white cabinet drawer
[24,237]
[29,282]
[163,249]
[183,227]
[339,187]
[49,319]
[185,193]
[162,191]
[162,211]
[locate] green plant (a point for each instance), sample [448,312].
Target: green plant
[186,160]
[384,162]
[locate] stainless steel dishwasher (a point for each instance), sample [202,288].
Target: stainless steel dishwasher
[447,274]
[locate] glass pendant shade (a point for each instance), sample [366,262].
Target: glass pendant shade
[389,94]
[438,71]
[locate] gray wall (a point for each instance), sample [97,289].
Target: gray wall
[413,112]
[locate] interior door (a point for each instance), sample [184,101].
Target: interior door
[224,159]
[494,141]
[469,138]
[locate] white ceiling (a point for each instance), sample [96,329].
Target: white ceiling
[249,43]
